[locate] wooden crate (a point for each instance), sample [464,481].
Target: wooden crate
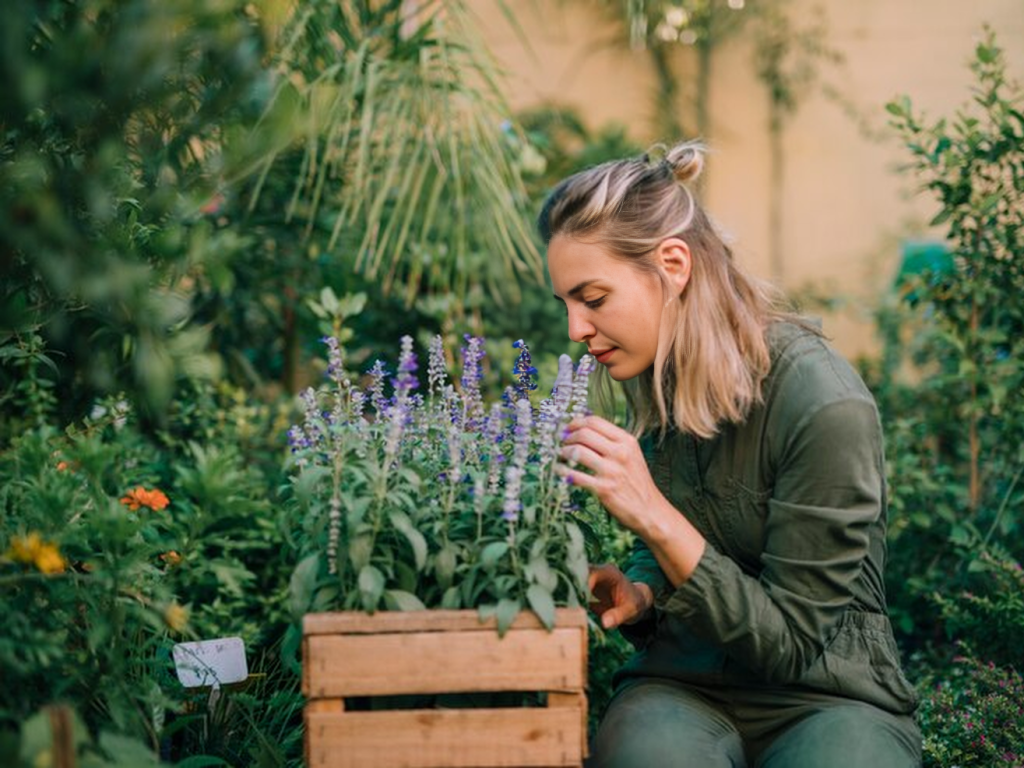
[435,652]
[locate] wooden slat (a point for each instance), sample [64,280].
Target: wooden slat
[319,706]
[455,738]
[443,662]
[356,622]
[574,700]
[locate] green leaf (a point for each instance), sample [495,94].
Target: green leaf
[492,553]
[306,482]
[451,599]
[508,609]
[302,585]
[398,600]
[541,573]
[359,551]
[542,604]
[404,525]
[371,587]
[444,565]
[576,556]
[126,751]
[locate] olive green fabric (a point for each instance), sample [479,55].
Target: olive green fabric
[789,592]
[665,724]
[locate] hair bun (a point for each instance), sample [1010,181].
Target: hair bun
[686,160]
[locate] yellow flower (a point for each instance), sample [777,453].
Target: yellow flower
[32,550]
[48,559]
[23,549]
[140,497]
[176,617]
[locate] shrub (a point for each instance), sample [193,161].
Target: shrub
[956,424]
[973,715]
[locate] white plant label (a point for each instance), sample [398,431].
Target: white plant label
[211,662]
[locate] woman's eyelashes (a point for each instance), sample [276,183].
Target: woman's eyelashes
[595,303]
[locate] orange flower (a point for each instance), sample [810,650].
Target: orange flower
[171,558]
[62,466]
[140,497]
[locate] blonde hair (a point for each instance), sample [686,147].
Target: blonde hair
[712,354]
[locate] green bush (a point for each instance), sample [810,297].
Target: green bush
[114,545]
[951,383]
[973,715]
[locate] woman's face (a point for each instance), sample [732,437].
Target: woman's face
[614,308]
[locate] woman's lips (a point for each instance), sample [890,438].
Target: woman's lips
[602,355]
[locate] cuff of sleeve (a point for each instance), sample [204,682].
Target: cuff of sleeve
[640,633]
[690,598]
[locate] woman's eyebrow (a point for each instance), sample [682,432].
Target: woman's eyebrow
[577,289]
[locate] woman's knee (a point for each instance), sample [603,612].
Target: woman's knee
[848,736]
[656,724]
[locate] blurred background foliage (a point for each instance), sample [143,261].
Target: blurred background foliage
[192,192]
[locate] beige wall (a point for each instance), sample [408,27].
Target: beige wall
[845,206]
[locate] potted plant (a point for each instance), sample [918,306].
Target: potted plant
[447,557]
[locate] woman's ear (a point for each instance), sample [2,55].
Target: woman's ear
[674,258]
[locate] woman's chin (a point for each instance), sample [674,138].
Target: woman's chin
[620,373]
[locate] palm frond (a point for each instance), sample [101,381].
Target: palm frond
[407,145]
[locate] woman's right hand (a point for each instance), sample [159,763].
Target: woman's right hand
[617,599]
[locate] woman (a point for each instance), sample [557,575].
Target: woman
[753,480]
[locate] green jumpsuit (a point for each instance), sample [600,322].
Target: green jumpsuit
[777,651]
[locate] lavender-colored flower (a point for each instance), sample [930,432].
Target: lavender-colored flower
[523,371]
[517,469]
[357,403]
[436,368]
[378,373]
[455,437]
[561,392]
[579,388]
[494,430]
[479,495]
[312,419]
[401,411]
[335,360]
[549,419]
[297,439]
[554,411]
[406,381]
[472,374]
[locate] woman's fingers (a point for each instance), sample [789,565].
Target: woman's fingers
[600,426]
[577,477]
[585,456]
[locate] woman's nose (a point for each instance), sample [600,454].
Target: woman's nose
[580,329]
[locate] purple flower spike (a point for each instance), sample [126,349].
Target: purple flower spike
[472,374]
[378,373]
[406,379]
[520,454]
[523,371]
[335,360]
[436,368]
[579,387]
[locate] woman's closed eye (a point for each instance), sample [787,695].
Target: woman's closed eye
[595,303]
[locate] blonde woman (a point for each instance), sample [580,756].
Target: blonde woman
[752,476]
